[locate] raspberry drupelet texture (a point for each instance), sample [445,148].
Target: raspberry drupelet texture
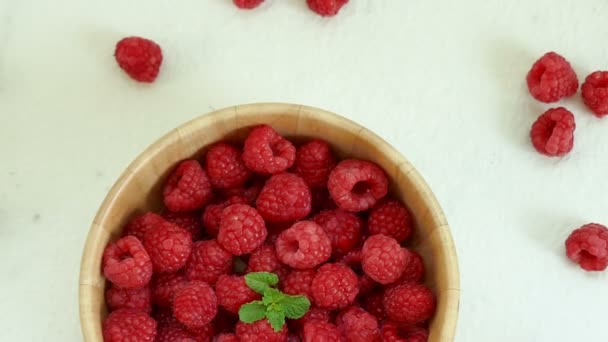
[314,162]
[169,247]
[140,224]
[195,304]
[391,218]
[409,303]
[358,325]
[125,325]
[249,191]
[242,229]
[259,331]
[225,166]
[163,287]
[232,292]
[314,314]
[298,282]
[588,247]
[551,78]
[247,4]
[343,229]
[353,260]
[383,259]
[552,133]
[284,198]
[326,8]
[595,93]
[208,261]
[227,338]
[266,152]
[263,259]
[395,332]
[187,188]
[140,58]
[138,299]
[304,245]
[127,264]
[317,331]
[335,286]
[373,304]
[356,185]
[190,221]
[414,270]
[172,333]
[212,215]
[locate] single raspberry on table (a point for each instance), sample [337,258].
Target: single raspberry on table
[208,261]
[127,264]
[169,247]
[195,304]
[356,185]
[342,227]
[298,282]
[552,133]
[284,198]
[259,331]
[314,162]
[358,325]
[140,224]
[588,247]
[266,152]
[190,221]
[212,215]
[395,332]
[138,299]
[263,259]
[551,78]
[140,58]
[373,304]
[187,188]
[163,287]
[326,8]
[414,270]
[242,229]
[335,286]
[409,303]
[227,338]
[318,331]
[128,325]
[595,93]
[232,292]
[390,218]
[225,166]
[383,259]
[247,4]
[304,245]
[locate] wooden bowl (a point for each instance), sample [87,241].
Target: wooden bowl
[139,188]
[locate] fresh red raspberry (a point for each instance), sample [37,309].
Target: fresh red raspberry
[356,185]
[394,332]
[373,304]
[314,162]
[176,332]
[187,188]
[195,304]
[284,198]
[326,8]
[169,247]
[390,218]
[343,229]
[190,221]
[263,259]
[164,286]
[138,299]
[140,224]
[124,325]
[304,245]
[321,200]
[366,285]
[551,78]
[383,259]
[298,282]
[127,264]
[140,58]
[250,191]
[227,338]
[259,331]
[204,333]
[225,167]
[247,4]
[266,152]
[314,314]
[588,247]
[335,286]
[409,303]
[208,261]
[353,260]
[552,133]
[242,229]
[164,316]
[232,292]
[414,270]
[318,331]
[358,325]
[595,93]
[212,215]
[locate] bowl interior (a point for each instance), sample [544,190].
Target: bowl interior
[139,189]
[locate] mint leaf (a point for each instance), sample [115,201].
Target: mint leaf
[295,306]
[272,296]
[260,281]
[276,317]
[252,312]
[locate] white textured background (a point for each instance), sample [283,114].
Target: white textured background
[443,81]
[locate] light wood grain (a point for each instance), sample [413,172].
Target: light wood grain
[138,189]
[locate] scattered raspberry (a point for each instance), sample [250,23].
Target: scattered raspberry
[164,286]
[284,198]
[390,218]
[373,304]
[414,270]
[140,58]
[140,224]
[225,166]
[552,133]
[138,299]
[266,152]
[551,78]
[232,292]
[259,331]
[172,333]
[326,8]
[298,282]
[263,259]
[356,185]
[168,246]
[247,4]
[208,261]
[343,229]
[227,338]
[383,259]
[127,264]
[187,188]
[394,332]
[588,246]
[304,245]
[335,286]
[125,325]
[317,331]
[242,229]
[409,303]
[595,93]
[314,162]
[189,221]
[195,304]
[212,215]
[358,325]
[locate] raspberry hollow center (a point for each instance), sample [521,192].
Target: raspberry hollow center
[361,188]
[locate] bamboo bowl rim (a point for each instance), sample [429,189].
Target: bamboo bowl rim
[92,282]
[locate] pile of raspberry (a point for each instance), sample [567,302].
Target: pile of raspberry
[327,228]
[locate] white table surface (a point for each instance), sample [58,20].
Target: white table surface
[443,81]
